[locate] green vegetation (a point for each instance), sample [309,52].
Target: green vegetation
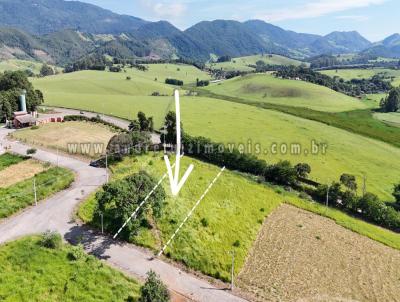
[239,123]
[392,118]
[349,74]
[226,216]
[31,272]
[8,159]
[153,289]
[268,89]
[243,63]
[229,212]
[21,195]
[11,85]
[22,65]
[374,232]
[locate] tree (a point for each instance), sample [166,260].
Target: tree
[396,193]
[120,145]
[282,173]
[392,102]
[170,126]
[134,126]
[119,199]
[11,85]
[154,289]
[349,181]
[46,70]
[303,170]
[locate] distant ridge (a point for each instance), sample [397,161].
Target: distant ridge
[61,31]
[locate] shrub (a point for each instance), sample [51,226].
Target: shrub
[153,290]
[51,240]
[174,82]
[204,222]
[77,253]
[31,151]
[34,127]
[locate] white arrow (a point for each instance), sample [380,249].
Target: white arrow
[177,185]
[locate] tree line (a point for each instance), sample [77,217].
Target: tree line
[354,87]
[341,194]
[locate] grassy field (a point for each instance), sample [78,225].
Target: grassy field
[187,73]
[62,135]
[20,195]
[234,209]
[237,123]
[299,256]
[29,272]
[348,74]
[8,159]
[268,89]
[389,118]
[20,172]
[242,63]
[13,65]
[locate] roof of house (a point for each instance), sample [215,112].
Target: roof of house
[25,119]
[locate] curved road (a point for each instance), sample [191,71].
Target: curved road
[56,213]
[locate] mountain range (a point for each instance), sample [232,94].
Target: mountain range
[60,32]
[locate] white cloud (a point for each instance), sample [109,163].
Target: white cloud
[165,10]
[316,9]
[358,18]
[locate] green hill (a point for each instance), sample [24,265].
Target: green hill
[268,89]
[242,63]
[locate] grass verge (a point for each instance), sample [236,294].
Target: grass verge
[8,159]
[29,272]
[21,195]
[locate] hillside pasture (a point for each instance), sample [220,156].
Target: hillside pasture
[300,256]
[233,210]
[242,63]
[14,65]
[392,118]
[265,88]
[349,74]
[238,123]
[64,136]
[187,73]
[30,272]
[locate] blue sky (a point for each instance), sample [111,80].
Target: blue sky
[375,19]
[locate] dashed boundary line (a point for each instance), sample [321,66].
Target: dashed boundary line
[191,212]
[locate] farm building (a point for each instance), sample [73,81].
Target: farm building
[23,119]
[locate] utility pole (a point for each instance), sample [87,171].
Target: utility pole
[107,177]
[232,269]
[102,223]
[34,190]
[327,197]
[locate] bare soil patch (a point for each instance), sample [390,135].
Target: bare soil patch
[300,256]
[20,172]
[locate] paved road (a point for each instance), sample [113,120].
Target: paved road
[56,213]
